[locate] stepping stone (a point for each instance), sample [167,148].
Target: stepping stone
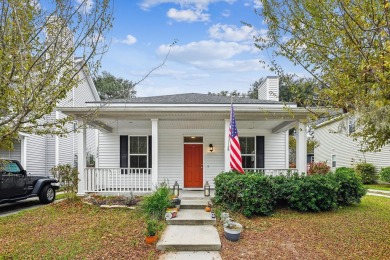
[192,217]
[187,255]
[190,238]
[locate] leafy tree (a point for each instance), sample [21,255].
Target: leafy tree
[345,47]
[37,64]
[110,87]
[226,93]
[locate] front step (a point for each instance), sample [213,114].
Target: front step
[193,203]
[192,217]
[191,255]
[190,238]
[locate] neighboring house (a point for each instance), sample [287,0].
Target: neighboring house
[338,148]
[38,154]
[148,140]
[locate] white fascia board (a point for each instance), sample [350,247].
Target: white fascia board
[191,106]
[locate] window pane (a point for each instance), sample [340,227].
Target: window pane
[138,145]
[142,145]
[193,139]
[248,161]
[138,161]
[133,144]
[247,145]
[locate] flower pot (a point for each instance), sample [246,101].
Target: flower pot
[150,239]
[233,232]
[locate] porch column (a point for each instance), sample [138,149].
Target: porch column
[154,153]
[226,146]
[301,151]
[81,154]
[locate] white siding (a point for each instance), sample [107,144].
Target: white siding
[15,154]
[269,89]
[346,150]
[36,162]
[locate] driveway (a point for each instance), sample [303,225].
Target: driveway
[15,207]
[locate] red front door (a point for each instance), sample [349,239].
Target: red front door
[193,165]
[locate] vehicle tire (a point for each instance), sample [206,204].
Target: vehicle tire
[47,195]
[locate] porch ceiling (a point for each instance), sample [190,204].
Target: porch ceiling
[126,123]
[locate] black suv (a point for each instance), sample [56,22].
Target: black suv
[16,185]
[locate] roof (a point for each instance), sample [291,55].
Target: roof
[193,98]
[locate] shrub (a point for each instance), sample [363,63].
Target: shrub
[366,171]
[155,204]
[318,168]
[350,187]
[314,193]
[68,177]
[250,194]
[283,187]
[385,174]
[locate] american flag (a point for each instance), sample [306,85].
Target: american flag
[234,147]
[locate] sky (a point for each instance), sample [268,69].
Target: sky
[213,49]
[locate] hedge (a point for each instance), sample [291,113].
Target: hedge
[255,194]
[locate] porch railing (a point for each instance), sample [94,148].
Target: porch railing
[117,180]
[272,172]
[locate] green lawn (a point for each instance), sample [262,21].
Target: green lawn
[74,231]
[356,232]
[379,186]
[79,231]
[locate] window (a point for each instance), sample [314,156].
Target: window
[135,151]
[351,125]
[138,152]
[11,168]
[248,152]
[193,139]
[252,152]
[333,161]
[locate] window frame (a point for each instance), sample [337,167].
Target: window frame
[333,161]
[138,154]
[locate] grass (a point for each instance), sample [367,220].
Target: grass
[66,230]
[356,232]
[74,231]
[378,186]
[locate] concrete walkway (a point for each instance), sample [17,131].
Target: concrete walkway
[380,193]
[192,234]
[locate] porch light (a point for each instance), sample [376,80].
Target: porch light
[211,147]
[176,189]
[207,189]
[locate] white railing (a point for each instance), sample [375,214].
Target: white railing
[117,180]
[272,172]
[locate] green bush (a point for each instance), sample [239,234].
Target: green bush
[68,177]
[385,174]
[155,205]
[350,187]
[249,194]
[314,193]
[367,173]
[283,187]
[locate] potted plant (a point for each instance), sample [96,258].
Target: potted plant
[232,230]
[152,228]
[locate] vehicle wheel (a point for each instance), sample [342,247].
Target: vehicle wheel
[47,195]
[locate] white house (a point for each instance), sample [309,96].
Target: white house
[38,154]
[338,148]
[145,141]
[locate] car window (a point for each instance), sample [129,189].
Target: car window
[11,167]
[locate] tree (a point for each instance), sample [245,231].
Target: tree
[37,64]
[345,47]
[110,87]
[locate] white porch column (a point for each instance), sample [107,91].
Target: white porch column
[81,160]
[301,151]
[226,146]
[154,153]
